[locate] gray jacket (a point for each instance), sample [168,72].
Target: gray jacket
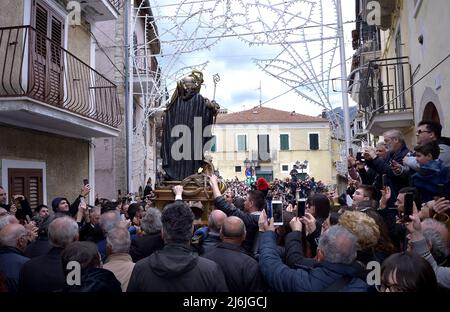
[442,273]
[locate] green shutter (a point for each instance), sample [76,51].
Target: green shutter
[313,141]
[213,146]
[284,142]
[242,143]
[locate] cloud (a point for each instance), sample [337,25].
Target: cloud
[233,59]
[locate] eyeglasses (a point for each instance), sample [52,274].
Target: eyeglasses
[420,131]
[389,288]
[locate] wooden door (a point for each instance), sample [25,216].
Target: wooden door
[27,182]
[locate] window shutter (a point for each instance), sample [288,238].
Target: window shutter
[41,25]
[242,143]
[27,182]
[213,146]
[284,142]
[313,141]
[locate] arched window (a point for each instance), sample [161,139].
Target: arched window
[430,113]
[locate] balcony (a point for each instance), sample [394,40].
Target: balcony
[101,10]
[384,97]
[45,87]
[144,72]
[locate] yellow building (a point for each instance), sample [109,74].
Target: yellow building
[276,140]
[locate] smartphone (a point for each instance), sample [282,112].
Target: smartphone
[301,205]
[384,181]
[408,205]
[277,210]
[359,157]
[441,191]
[85,181]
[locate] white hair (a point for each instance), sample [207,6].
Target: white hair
[119,240]
[7,219]
[338,245]
[9,237]
[62,231]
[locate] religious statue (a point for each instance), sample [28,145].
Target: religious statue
[187,127]
[250,175]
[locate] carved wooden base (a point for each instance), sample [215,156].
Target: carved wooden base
[192,192]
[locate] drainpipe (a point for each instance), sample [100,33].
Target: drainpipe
[91,200]
[343,77]
[128,98]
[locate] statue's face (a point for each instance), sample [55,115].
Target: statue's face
[189,83]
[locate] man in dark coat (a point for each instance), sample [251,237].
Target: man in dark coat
[45,273]
[19,206]
[253,206]
[187,110]
[241,271]
[334,272]
[92,277]
[13,241]
[176,268]
[144,246]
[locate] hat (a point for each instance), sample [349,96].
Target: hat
[56,201]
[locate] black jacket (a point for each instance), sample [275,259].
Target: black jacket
[241,271]
[210,242]
[144,246]
[91,233]
[176,268]
[96,280]
[41,246]
[22,211]
[43,274]
[11,262]
[250,221]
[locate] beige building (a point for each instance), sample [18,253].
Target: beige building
[53,102]
[276,140]
[401,68]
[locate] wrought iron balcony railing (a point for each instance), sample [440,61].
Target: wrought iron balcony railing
[385,87]
[32,65]
[118,4]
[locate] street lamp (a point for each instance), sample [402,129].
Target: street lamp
[302,166]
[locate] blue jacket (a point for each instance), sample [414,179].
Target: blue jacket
[429,176]
[11,262]
[281,278]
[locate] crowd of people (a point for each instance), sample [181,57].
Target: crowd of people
[395,212]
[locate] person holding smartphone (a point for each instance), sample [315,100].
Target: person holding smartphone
[254,203]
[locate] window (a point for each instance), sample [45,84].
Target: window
[237,169]
[26,182]
[313,141]
[213,145]
[47,53]
[284,142]
[285,168]
[359,125]
[241,143]
[263,147]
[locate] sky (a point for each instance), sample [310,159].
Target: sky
[233,56]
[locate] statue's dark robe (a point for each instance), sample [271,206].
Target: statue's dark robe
[182,112]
